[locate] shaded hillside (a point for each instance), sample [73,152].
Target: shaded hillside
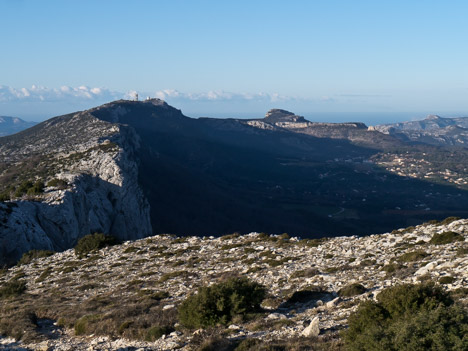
[212,176]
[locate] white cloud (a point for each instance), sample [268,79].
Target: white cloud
[84,93]
[175,95]
[64,93]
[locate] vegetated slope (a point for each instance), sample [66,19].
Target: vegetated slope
[133,291]
[211,176]
[11,125]
[433,130]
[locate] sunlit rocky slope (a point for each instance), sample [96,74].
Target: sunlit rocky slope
[115,298]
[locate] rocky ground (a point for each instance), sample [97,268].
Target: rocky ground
[303,278]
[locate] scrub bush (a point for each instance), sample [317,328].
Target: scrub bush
[219,303]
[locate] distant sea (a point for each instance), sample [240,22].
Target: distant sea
[369,118]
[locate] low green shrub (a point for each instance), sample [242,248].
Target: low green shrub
[446,280]
[306,295]
[408,317]
[305,273]
[413,256]
[93,242]
[13,287]
[57,183]
[36,189]
[392,267]
[154,333]
[462,251]
[446,238]
[248,344]
[29,256]
[352,290]
[81,325]
[219,303]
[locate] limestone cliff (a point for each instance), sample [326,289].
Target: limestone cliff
[91,168]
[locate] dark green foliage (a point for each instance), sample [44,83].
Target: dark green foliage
[154,333]
[33,254]
[219,303]
[4,196]
[248,344]
[36,189]
[28,187]
[216,343]
[23,188]
[407,298]
[12,288]
[446,238]
[93,242]
[58,183]
[309,272]
[81,325]
[392,267]
[446,280]
[408,317]
[413,256]
[462,251]
[352,290]
[306,295]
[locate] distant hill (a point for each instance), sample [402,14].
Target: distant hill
[12,125]
[434,130]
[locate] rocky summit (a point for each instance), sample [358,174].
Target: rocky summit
[120,296]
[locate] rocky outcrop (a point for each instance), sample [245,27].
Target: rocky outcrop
[102,192]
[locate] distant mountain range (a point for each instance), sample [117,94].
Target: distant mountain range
[11,125]
[433,130]
[132,169]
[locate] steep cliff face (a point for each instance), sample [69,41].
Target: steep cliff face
[95,166]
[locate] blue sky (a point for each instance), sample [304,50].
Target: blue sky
[236,58]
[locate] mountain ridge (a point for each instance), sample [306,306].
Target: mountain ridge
[433,130]
[150,169]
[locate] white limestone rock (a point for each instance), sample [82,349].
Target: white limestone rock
[313,329]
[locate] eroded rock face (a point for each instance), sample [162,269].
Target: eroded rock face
[102,192]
